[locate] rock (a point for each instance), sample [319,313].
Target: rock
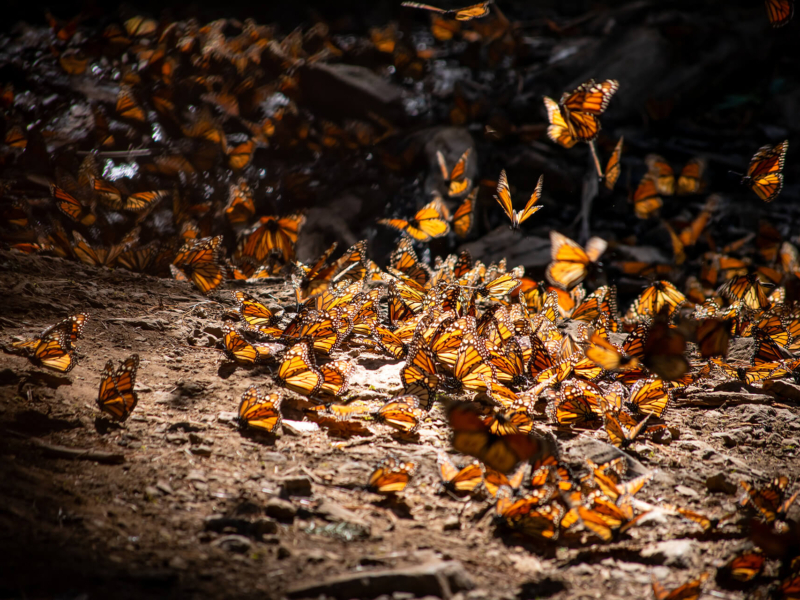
[214,330]
[531,251]
[342,91]
[227,417]
[147,324]
[685,491]
[151,493]
[740,349]
[296,486]
[283,552]
[256,528]
[299,428]
[451,523]
[331,511]
[8,377]
[440,578]
[201,450]
[585,447]
[783,389]
[725,437]
[233,543]
[736,386]
[164,488]
[677,553]
[720,483]
[280,509]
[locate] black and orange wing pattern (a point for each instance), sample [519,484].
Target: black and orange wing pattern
[257,411]
[765,171]
[117,396]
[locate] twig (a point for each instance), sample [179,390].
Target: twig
[593,148]
[117,153]
[109,458]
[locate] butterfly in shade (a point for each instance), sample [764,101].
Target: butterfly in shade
[779,12]
[459,481]
[456,180]
[474,11]
[71,207]
[744,566]
[747,289]
[402,413]
[614,166]
[503,198]
[765,171]
[115,199]
[687,591]
[258,411]
[570,263]
[117,396]
[200,261]
[464,216]
[582,107]
[769,500]
[54,347]
[426,225]
[646,201]
[391,476]
[270,233]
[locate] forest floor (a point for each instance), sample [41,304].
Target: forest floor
[176,502]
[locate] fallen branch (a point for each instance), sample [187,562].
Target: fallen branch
[109,458]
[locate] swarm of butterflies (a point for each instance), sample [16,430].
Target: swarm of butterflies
[509,357]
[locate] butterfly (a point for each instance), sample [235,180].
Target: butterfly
[53,348]
[70,206]
[464,216]
[746,288]
[705,522]
[604,354]
[688,591]
[646,201]
[459,481]
[97,257]
[499,287]
[665,348]
[541,522]
[258,411]
[745,566]
[139,259]
[577,405]
[137,203]
[503,197]
[271,233]
[298,371]
[570,263]
[200,261]
[765,171]
[419,373]
[117,396]
[622,428]
[493,480]
[426,225]
[558,130]
[127,107]
[581,107]
[324,330]
[336,377]
[240,350]
[256,315]
[790,588]
[650,396]
[614,167]
[456,180]
[780,12]
[405,260]
[391,476]
[472,436]
[606,519]
[402,413]
[240,208]
[769,500]
[655,297]
[474,11]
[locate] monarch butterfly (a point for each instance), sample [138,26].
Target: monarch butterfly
[238,349]
[503,198]
[298,371]
[472,436]
[391,476]
[576,405]
[268,234]
[140,26]
[389,341]
[493,480]
[542,523]
[464,216]
[646,201]
[570,263]
[790,588]
[614,167]
[472,368]
[661,173]
[655,297]
[456,180]
[256,315]
[259,411]
[459,481]
[117,396]
[622,428]
[426,225]
[581,107]
[690,180]
[405,260]
[650,396]
[558,131]
[419,373]
[509,422]
[402,413]
[768,500]
[240,208]
[745,566]
[606,519]
[51,349]
[240,156]
[70,206]
[336,377]
[747,289]
[665,348]
[705,522]
[96,257]
[137,203]
[604,354]
[474,11]
[200,261]
[503,285]
[779,12]
[688,591]
[139,259]
[765,171]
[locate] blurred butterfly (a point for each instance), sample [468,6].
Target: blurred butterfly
[240,208]
[96,257]
[604,354]
[258,411]
[298,371]
[115,200]
[705,522]
[570,263]
[582,107]
[70,206]
[459,481]
[541,522]
[745,566]
[768,500]
[139,259]
[665,348]
[780,12]
[456,180]
[127,107]
[614,166]
[117,396]
[474,11]
[646,201]
[607,519]
[765,171]
[402,413]
[391,476]
[426,225]
[464,216]
[688,591]
[200,261]
[493,480]
[503,197]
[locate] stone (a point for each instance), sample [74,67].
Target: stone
[442,579]
[685,491]
[280,509]
[233,543]
[783,389]
[299,428]
[164,487]
[331,511]
[585,447]
[256,528]
[725,437]
[296,486]
[201,450]
[451,523]
[720,484]
[670,553]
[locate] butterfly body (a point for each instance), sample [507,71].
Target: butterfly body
[503,198]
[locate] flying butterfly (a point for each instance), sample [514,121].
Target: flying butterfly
[558,131]
[426,225]
[71,207]
[459,481]
[765,171]
[582,107]
[200,261]
[570,263]
[604,354]
[391,476]
[116,200]
[769,500]
[464,216]
[779,12]
[503,198]
[474,11]
[260,412]
[614,166]
[117,395]
[646,201]
[268,234]
[456,180]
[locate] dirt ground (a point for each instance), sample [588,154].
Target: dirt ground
[197,509]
